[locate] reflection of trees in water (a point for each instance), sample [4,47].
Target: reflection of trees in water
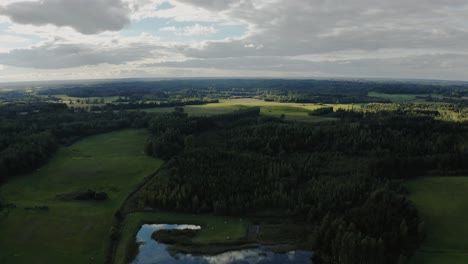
[151,251]
[253,256]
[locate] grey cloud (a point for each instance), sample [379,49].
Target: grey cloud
[216,5]
[296,27]
[85,16]
[437,66]
[60,55]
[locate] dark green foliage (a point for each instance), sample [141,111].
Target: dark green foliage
[382,230]
[100,196]
[322,111]
[342,243]
[37,208]
[5,207]
[174,236]
[115,233]
[88,195]
[170,130]
[146,105]
[31,132]
[336,175]
[28,152]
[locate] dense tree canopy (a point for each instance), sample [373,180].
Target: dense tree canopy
[339,176]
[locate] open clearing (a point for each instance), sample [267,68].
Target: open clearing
[292,111]
[214,228]
[443,205]
[73,232]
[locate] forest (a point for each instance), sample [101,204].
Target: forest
[299,91]
[343,177]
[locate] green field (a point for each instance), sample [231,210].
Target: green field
[72,232]
[443,205]
[292,111]
[214,228]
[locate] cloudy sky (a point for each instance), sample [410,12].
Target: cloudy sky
[88,39]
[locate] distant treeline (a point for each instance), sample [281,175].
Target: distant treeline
[31,132]
[340,177]
[146,105]
[299,91]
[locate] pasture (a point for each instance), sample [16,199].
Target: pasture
[292,111]
[72,231]
[443,205]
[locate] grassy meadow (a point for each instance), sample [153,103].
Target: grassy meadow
[443,205]
[292,111]
[72,231]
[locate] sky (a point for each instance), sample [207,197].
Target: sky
[106,39]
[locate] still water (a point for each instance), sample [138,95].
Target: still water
[152,252]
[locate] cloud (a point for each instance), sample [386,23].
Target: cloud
[10,39]
[436,66]
[85,16]
[195,30]
[373,38]
[58,55]
[295,27]
[215,5]
[168,29]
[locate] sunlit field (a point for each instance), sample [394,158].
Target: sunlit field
[291,111]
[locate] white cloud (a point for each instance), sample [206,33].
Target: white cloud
[168,29]
[183,12]
[195,30]
[198,30]
[10,39]
[143,8]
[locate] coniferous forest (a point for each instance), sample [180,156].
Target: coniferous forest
[339,177]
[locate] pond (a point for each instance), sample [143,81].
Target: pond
[152,252]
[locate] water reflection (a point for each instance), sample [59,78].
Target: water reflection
[152,252]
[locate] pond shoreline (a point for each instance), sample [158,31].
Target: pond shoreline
[183,250]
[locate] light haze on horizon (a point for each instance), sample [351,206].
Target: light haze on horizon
[106,39]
